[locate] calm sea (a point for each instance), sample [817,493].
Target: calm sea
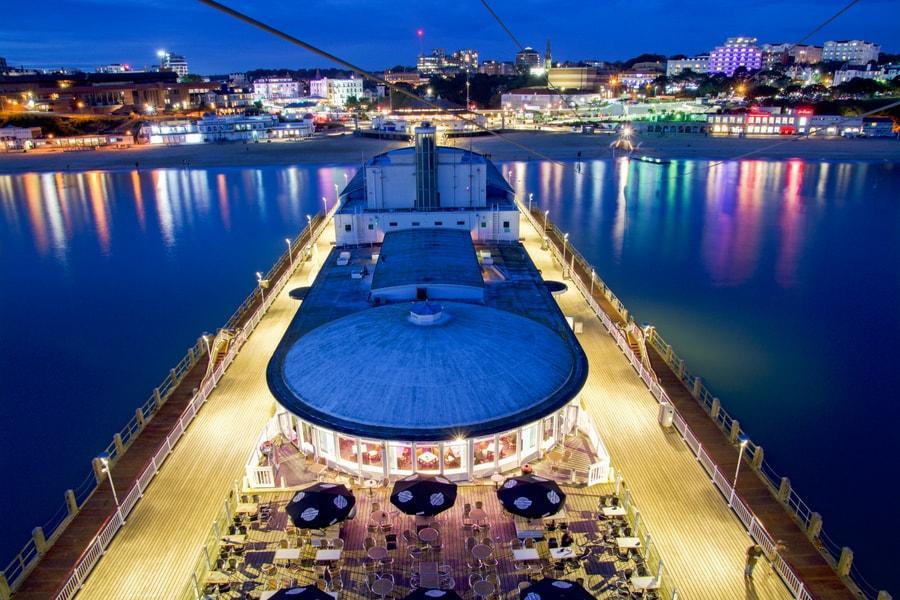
[777,281]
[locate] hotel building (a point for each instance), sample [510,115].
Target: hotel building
[697,64]
[737,52]
[855,52]
[336,91]
[277,89]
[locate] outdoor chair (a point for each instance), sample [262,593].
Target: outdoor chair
[368,543]
[552,543]
[479,504]
[473,579]
[408,537]
[467,508]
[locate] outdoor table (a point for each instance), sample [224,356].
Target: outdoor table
[217,578]
[497,478]
[645,582]
[525,554]
[613,511]
[627,542]
[481,551]
[379,516]
[428,568]
[477,514]
[431,581]
[561,553]
[483,588]
[555,456]
[246,508]
[377,553]
[317,468]
[428,534]
[328,555]
[267,594]
[287,554]
[382,587]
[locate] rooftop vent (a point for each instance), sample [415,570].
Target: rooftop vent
[426,313]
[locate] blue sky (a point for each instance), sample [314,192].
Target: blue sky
[379,33]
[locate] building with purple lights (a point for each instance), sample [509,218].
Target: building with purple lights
[737,52]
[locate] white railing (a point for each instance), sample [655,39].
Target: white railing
[757,532]
[95,550]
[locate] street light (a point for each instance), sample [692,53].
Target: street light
[593,274]
[546,212]
[565,241]
[737,471]
[325,202]
[104,460]
[530,198]
[308,221]
[290,254]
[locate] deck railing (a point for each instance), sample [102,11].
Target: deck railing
[571,264]
[19,567]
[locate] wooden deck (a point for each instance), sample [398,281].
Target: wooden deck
[153,553]
[55,567]
[598,573]
[807,562]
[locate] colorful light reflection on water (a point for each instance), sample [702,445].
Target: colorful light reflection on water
[108,277]
[776,280]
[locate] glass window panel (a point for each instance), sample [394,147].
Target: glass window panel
[428,457]
[455,457]
[372,454]
[484,451]
[347,449]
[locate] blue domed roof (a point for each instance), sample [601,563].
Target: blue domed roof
[477,370]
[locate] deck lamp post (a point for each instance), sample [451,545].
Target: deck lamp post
[205,337]
[325,202]
[546,212]
[530,198]
[593,274]
[290,254]
[565,242]
[737,471]
[104,460]
[262,287]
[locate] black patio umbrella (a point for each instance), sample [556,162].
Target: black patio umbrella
[424,495]
[555,589]
[531,496]
[320,505]
[427,594]
[307,592]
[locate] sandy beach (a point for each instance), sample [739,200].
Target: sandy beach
[350,149]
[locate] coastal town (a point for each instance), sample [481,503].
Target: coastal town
[554,322]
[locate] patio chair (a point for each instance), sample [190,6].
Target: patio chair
[470,543]
[408,537]
[467,508]
[474,578]
[479,504]
[368,543]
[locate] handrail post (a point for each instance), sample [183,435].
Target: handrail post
[845,562]
[715,408]
[40,541]
[71,503]
[784,490]
[139,417]
[757,460]
[120,446]
[734,432]
[815,526]
[698,382]
[156,398]
[5,590]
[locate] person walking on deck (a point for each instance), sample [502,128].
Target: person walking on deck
[753,554]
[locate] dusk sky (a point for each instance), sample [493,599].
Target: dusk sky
[380,33]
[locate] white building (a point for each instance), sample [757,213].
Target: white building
[173,62]
[18,138]
[277,89]
[885,73]
[855,52]
[114,68]
[336,91]
[697,64]
[736,53]
[454,189]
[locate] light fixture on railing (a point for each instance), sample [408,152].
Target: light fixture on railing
[737,471]
[290,254]
[104,461]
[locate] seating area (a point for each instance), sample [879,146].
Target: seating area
[475,548]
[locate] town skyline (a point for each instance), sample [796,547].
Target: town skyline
[375,40]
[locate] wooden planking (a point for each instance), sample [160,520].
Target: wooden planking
[152,556]
[702,544]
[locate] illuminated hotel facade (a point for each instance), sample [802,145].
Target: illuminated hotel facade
[737,52]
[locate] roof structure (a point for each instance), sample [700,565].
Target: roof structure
[382,372]
[428,255]
[475,369]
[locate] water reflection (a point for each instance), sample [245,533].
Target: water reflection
[56,208]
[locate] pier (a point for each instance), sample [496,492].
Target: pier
[708,438]
[58,567]
[152,549]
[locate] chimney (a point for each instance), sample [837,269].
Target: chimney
[426,168]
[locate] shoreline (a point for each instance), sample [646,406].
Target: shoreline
[346,149]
